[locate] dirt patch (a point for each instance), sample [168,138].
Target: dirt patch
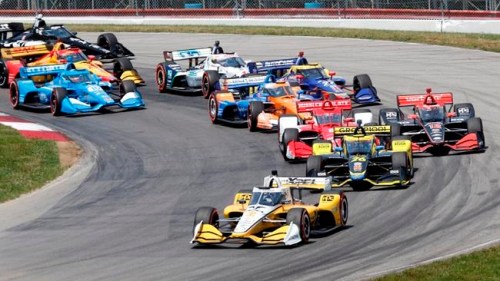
[69,153]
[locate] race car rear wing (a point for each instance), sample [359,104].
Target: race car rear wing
[12,27]
[242,82]
[23,52]
[421,99]
[369,130]
[271,65]
[311,183]
[328,105]
[187,54]
[25,72]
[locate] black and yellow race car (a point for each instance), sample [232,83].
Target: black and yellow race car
[367,157]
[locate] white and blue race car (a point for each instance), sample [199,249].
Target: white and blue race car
[66,90]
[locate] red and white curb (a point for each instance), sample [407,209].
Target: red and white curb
[31,130]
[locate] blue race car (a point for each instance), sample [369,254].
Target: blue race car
[314,77]
[66,90]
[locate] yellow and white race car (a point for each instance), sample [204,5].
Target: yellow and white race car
[273,214]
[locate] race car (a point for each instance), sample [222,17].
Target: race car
[364,160]
[107,46]
[66,90]
[37,55]
[314,77]
[434,124]
[296,137]
[273,214]
[199,75]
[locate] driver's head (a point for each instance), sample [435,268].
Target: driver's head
[217,43]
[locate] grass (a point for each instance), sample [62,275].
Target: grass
[485,42]
[25,164]
[478,266]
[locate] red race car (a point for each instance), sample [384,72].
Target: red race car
[296,140]
[434,124]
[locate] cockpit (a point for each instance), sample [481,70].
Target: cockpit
[267,198]
[280,91]
[78,77]
[236,62]
[73,56]
[328,119]
[360,146]
[432,114]
[313,73]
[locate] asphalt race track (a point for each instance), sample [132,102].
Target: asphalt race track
[126,212]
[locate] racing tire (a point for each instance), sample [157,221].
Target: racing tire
[213,108]
[127,86]
[361,81]
[208,215]
[208,81]
[300,218]
[290,134]
[400,160]
[254,109]
[108,41]
[395,130]
[388,115]
[161,77]
[313,165]
[121,65]
[58,95]
[465,110]
[475,125]
[14,95]
[4,74]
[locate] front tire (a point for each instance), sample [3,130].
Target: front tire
[58,95]
[108,41]
[361,81]
[127,86]
[313,165]
[208,215]
[300,218]
[290,134]
[213,109]
[254,109]
[400,160]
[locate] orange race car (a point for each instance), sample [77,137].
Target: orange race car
[15,58]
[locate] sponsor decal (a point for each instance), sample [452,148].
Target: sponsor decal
[394,172]
[275,63]
[301,181]
[391,115]
[321,174]
[399,143]
[368,129]
[435,126]
[358,158]
[463,111]
[4,26]
[45,68]
[189,53]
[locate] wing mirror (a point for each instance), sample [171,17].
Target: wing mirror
[349,119]
[379,147]
[451,114]
[91,57]
[332,73]
[412,116]
[338,149]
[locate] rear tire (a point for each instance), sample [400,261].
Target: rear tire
[58,95]
[300,218]
[313,165]
[161,77]
[210,77]
[208,215]
[254,109]
[4,74]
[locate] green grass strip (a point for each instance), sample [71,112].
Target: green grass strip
[485,42]
[25,164]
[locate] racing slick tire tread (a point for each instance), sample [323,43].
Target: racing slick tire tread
[400,160]
[254,109]
[14,95]
[313,165]
[4,74]
[475,125]
[121,65]
[208,215]
[208,81]
[127,86]
[108,41]
[290,134]
[361,81]
[395,130]
[213,108]
[161,76]
[58,95]
[300,217]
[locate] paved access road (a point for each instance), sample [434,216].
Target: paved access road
[129,215]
